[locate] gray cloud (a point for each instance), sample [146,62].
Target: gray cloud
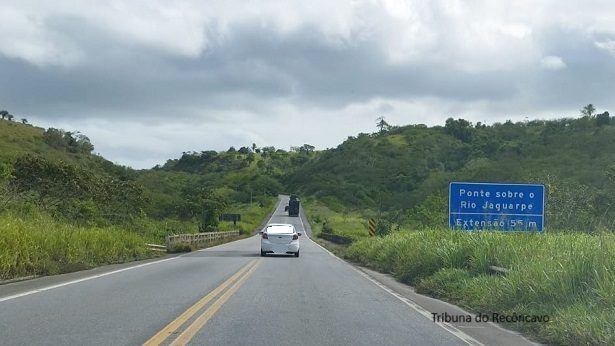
[148,81]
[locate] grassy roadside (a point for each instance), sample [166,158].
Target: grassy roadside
[43,246]
[568,276]
[350,224]
[252,216]
[37,244]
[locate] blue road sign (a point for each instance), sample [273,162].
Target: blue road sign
[501,207]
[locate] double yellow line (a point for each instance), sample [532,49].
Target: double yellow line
[234,282]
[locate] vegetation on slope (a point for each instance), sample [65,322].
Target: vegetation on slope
[40,245]
[566,276]
[55,192]
[402,174]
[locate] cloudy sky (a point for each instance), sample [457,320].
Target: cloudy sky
[147,80]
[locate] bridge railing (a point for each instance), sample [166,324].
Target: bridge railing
[338,239]
[197,240]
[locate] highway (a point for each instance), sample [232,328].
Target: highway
[225,295]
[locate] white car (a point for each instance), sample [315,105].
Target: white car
[280,238]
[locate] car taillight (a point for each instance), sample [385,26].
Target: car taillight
[295,236]
[265,236]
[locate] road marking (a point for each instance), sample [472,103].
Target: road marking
[47,288]
[446,326]
[38,290]
[200,321]
[327,251]
[172,327]
[303,226]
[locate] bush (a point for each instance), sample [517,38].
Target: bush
[43,246]
[326,227]
[445,283]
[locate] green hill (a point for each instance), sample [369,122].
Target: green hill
[406,170]
[400,173]
[63,208]
[17,139]
[181,186]
[56,172]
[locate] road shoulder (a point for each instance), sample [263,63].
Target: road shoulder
[43,282]
[486,333]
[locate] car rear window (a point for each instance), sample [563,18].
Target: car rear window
[280,229]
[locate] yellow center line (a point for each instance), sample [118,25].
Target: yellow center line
[200,321]
[162,335]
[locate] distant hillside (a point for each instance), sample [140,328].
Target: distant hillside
[401,173]
[56,171]
[17,139]
[236,176]
[409,168]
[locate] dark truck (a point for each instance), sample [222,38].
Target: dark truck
[293,206]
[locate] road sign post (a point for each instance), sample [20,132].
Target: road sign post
[230,217]
[492,206]
[371,225]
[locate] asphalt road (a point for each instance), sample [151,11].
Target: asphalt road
[226,295]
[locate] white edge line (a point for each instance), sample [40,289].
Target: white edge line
[446,326]
[303,226]
[43,289]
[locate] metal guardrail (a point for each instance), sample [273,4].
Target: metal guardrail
[338,239]
[156,247]
[197,239]
[498,270]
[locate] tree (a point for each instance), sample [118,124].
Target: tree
[460,129]
[201,203]
[3,113]
[54,138]
[6,192]
[53,182]
[603,119]
[382,125]
[10,116]
[305,149]
[253,147]
[588,110]
[83,144]
[24,121]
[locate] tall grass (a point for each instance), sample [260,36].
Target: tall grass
[348,224]
[32,243]
[40,245]
[252,215]
[568,276]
